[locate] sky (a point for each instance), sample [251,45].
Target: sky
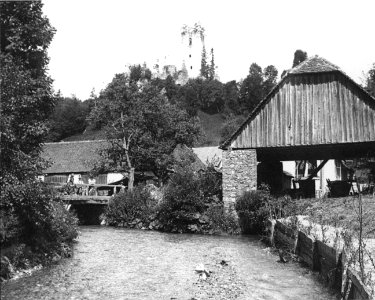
[97,39]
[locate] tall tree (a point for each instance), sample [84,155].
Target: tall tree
[270,79]
[27,214]
[299,56]
[231,103]
[204,67]
[256,86]
[251,90]
[212,67]
[370,81]
[26,93]
[68,118]
[143,127]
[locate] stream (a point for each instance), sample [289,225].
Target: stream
[117,263]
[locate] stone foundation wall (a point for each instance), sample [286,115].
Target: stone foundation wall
[239,173]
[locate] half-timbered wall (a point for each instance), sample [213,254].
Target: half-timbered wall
[311,109]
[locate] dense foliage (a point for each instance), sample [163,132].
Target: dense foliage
[190,202]
[299,56]
[68,118]
[370,81]
[183,201]
[142,125]
[28,214]
[129,206]
[251,210]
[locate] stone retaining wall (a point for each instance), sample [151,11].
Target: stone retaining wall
[322,258]
[239,173]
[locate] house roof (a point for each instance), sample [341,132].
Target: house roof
[312,65]
[287,174]
[185,156]
[209,155]
[72,157]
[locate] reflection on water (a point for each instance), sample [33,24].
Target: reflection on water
[110,263]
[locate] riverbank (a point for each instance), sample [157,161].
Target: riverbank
[36,233]
[189,203]
[21,260]
[327,251]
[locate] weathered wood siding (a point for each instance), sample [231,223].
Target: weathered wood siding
[311,109]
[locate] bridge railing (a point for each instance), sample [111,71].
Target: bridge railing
[89,190]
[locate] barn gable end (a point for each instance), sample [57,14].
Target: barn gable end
[316,112]
[314,104]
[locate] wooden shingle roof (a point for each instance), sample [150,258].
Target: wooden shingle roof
[314,64]
[311,66]
[72,157]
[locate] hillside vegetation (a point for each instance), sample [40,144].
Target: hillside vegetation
[211,127]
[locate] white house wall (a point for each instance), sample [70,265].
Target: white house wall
[113,177]
[327,172]
[289,166]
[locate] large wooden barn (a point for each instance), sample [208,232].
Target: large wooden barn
[316,112]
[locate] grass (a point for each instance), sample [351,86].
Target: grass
[88,135]
[341,212]
[211,125]
[336,222]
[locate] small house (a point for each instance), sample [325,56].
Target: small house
[76,159]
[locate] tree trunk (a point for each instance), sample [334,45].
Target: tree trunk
[131,179]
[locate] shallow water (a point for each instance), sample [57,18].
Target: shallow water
[113,263]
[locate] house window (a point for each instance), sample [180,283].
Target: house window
[61,179]
[85,178]
[341,171]
[101,179]
[305,167]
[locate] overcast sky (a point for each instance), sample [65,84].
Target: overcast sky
[97,39]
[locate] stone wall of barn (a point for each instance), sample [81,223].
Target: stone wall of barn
[239,174]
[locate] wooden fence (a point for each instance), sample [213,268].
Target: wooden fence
[320,257]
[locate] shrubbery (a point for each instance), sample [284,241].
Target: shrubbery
[128,206]
[32,214]
[35,227]
[252,210]
[191,202]
[221,220]
[183,201]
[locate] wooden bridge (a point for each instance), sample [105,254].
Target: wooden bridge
[90,193]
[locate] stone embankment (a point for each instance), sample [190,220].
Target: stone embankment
[330,259]
[199,223]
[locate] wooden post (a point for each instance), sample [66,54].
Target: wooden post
[315,171]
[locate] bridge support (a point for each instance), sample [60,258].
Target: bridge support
[88,214]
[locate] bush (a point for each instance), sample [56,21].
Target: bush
[222,221]
[252,211]
[35,216]
[183,201]
[210,182]
[35,226]
[64,224]
[128,206]
[9,227]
